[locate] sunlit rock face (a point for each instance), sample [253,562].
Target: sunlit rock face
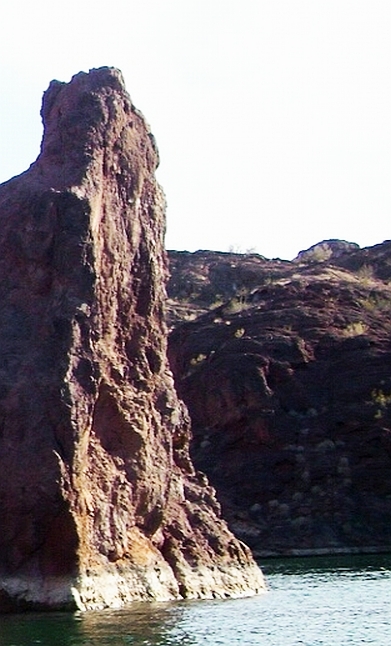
[99,502]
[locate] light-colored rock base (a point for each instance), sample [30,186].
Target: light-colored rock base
[117,589]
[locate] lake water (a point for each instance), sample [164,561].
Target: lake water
[338,601]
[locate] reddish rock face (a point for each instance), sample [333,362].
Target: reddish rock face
[289,389]
[99,501]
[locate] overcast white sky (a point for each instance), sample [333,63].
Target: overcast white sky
[273,117]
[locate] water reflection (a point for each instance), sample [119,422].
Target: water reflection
[28,629]
[141,624]
[326,564]
[313,601]
[148,624]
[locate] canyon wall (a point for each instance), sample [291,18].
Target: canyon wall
[286,370]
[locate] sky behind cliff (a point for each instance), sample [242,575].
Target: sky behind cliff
[273,117]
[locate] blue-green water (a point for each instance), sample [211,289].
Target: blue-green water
[341,601]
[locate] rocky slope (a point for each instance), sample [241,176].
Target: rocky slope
[99,501]
[286,370]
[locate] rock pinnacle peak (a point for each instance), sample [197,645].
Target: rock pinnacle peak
[99,501]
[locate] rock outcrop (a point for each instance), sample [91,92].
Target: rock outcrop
[288,383]
[99,502]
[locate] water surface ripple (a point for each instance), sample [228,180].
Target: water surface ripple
[339,601]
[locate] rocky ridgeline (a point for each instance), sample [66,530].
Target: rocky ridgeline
[286,371]
[99,501]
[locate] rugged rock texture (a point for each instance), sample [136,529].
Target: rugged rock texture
[288,383]
[204,280]
[99,501]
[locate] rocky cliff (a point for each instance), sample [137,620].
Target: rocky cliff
[286,371]
[99,501]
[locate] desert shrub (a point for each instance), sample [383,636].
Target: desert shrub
[218,302]
[376,303]
[195,361]
[239,302]
[381,400]
[355,328]
[320,253]
[239,332]
[236,305]
[316,254]
[366,274]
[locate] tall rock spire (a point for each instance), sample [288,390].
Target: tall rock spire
[99,501]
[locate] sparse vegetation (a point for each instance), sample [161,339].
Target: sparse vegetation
[355,328]
[320,253]
[271,279]
[376,302]
[235,248]
[195,361]
[381,400]
[298,371]
[218,302]
[239,332]
[366,274]
[236,305]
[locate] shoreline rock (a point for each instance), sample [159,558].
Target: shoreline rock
[99,501]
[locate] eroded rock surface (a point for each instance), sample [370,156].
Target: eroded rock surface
[99,501]
[286,371]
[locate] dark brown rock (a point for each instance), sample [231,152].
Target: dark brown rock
[99,501]
[288,385]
